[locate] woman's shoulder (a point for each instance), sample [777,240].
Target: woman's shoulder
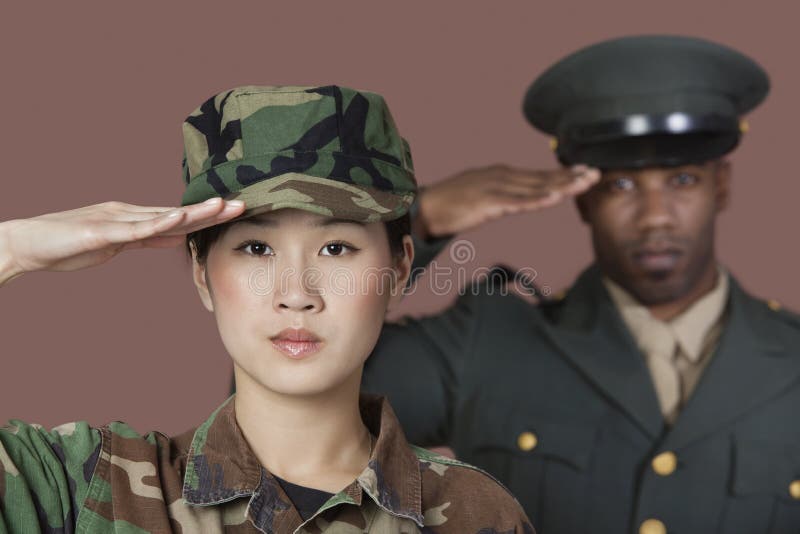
[77,473]
[125,450]
[457,492]
[69,444]
[122,436]
[79,446]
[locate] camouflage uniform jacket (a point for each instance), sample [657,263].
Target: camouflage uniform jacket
[80,479]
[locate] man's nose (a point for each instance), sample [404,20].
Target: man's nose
[655,209]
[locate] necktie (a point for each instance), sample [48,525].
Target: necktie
[660,348]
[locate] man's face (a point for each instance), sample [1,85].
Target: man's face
[653,228]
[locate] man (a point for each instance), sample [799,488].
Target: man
[656,396]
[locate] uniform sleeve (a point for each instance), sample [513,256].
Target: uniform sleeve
[418,364]
[424,253]
[44,476]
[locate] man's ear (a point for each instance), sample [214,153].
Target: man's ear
[581,206]
[402,269]
[201,281]
[722,181]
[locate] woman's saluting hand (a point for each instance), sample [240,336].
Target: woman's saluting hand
[88,236]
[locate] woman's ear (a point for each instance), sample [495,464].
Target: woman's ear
[199,275]
[402,269]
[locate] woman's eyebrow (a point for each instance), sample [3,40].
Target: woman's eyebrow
[332,222]
[267,222]
[254,221]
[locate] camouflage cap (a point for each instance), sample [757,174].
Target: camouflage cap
[329,150]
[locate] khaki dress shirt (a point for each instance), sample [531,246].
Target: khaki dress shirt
[676,351]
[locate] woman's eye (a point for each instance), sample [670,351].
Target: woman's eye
[684,179]
[336,249]
[256,248]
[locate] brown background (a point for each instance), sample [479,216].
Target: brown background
[94,94]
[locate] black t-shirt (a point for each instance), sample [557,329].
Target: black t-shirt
[306,500]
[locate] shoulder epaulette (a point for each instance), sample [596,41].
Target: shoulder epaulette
[782,313]
[431,457]
[501,276]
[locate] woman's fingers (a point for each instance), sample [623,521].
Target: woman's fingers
[115,231]
[175,221]
[141,209]
[90,235]
[155,242]
[201,219]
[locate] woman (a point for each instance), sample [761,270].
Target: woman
[299,263]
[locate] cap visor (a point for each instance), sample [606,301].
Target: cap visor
[323,196]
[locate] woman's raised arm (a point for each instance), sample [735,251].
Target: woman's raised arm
[91,235]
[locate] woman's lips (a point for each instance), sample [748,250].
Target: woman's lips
[296,349]
[296,343]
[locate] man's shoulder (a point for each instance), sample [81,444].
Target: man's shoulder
[454,491]
[505,288]
[783,314]
[784,322]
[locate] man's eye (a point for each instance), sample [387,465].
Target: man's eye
[256,248]
[622,183]
[684,179]
[336,249]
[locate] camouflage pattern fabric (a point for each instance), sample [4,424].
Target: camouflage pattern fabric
[78,479]
[329,150]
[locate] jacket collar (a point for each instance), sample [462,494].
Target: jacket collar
[221,467]
[589,331]
[690,328]
[748,367]
[752,364]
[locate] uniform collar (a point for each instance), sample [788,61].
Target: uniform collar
[690,328]
[221,467]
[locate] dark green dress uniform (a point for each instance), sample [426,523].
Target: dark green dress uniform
[557,402]
[555,398]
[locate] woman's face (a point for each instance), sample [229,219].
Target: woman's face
[300,298]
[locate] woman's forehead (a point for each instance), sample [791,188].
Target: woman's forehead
[286,217]
[293,218]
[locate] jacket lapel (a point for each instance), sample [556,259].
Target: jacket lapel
[750,366]
[590,333]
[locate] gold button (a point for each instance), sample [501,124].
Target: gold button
[527,441]
[653,526]
[744,126]
[665,463]
[794,490]
[774,305]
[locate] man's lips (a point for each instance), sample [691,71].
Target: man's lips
[296,343]
[657,258]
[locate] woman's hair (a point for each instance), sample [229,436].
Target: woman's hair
[203,239]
